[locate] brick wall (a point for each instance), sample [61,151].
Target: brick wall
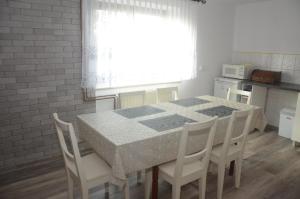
[40,73]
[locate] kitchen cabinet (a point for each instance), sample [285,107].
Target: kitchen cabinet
[296,127]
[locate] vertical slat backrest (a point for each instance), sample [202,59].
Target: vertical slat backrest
[206,128]
[238,118]
[239,92]
[167,94]
[72,159]
[132,99]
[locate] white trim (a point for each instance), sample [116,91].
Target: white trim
[112,91]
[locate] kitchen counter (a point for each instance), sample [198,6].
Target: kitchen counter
[282,85]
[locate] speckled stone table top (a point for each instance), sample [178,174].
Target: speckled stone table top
[131,141]
[281,85]
[189,102]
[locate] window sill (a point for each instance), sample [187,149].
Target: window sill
[113,91]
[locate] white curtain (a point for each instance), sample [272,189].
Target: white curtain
[137,42]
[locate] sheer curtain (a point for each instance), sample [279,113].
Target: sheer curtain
[138,42]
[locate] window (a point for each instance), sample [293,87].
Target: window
[140,45]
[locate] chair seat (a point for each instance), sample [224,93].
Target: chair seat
[94,167]
[232,152]
[188,169]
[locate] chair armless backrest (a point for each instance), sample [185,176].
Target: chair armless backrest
[237,130]
[72,159]
[240,93]
[195,129]
[167,94]
[132,99]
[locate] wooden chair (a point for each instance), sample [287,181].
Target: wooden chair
[132,99]
[241,93]
[191,167]
[233,147]
[89,170]
[167,94]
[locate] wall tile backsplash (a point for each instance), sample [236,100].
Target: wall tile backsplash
[289,64]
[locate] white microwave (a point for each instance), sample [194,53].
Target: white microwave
[241,71]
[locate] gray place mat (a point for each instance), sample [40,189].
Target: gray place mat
[167,122]
[139,111]
[189,102]
[220,111]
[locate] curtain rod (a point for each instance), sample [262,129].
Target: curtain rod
[200,1]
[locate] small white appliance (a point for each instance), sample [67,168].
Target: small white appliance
[222,85]
[286,122]
[241,71]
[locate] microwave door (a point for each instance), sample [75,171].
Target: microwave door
[230,72]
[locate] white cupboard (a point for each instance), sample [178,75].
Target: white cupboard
[296,127]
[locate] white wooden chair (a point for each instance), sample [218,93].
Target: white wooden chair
[167,94]
[132,99]
[191,167]
[241,93]
[89,170]
[129,100]
[233,147]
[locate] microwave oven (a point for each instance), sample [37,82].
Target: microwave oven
[241,71]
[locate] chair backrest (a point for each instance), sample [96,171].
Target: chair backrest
[237,130]
[132,99]
[240,93]
[167,94]
[72,159]
[207,129]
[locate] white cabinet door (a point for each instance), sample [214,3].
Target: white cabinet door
[296,127]
[259,96]
[221,88]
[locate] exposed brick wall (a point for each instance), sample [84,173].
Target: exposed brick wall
[40,73]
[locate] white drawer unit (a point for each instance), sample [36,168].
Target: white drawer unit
[222,85]
[286,122]
[296,126]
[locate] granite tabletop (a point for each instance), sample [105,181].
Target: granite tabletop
[138,138]
[281,85]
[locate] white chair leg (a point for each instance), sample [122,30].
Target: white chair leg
[139,177]
[238,171]
[106,187]
[126,190]
[221,175]
[202,187]
[176,191]
[148,183]
[84,193]
[70,186]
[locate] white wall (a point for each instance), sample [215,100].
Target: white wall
[268,26]
[271,26]
[215,43]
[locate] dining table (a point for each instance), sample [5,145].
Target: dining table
[140,138]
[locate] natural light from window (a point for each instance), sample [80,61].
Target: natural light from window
[142,49]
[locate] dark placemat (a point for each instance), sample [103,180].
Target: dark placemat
[220,111]
[139,111]
[189,102]
[167,122]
